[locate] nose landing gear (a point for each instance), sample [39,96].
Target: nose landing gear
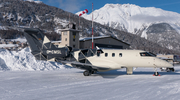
[156,73]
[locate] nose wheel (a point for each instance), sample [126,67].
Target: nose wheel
[156,73]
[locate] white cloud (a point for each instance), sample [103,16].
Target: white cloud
[69,5]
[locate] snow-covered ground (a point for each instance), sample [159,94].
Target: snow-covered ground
[70,84]
[24,78]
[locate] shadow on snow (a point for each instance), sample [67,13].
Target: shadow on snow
[117,73]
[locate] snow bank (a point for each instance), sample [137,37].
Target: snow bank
[25,61]
[8,45]
[22,40]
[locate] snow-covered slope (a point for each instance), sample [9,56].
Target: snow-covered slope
[132,17]
[25,61]
[34,1]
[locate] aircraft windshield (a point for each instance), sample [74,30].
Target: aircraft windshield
[147,54]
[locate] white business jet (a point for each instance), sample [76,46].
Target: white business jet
[92,60]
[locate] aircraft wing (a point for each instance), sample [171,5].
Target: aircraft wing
[83,66]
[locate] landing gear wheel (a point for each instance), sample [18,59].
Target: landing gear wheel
[86,73]
[93,72]
[172,69]
[156,74]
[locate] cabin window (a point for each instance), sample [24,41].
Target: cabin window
[146,54]
[98,53]
[120,54]
[113,54]
[106,54]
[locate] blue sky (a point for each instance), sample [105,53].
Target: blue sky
[74,6]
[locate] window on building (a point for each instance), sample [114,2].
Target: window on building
[113,54]
[64,33]
[74,46]
[120,54]
[106,54]
[74,33]
[65,39]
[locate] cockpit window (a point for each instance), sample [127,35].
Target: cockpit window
[153,54]
[148,54]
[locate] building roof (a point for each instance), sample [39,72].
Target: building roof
[69,29]
[100,37]
[55,41]
[90,38]
[95,38]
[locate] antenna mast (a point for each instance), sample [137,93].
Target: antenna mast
[92,28]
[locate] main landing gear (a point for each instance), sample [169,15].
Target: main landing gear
[168,69]
[87,72]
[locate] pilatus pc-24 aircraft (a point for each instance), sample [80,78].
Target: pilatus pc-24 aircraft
[91,60]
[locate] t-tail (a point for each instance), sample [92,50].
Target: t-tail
[43,49]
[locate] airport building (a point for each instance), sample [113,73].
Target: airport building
[70,37]
[103,42]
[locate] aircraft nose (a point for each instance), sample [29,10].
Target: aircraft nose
[167,64]
[163,63]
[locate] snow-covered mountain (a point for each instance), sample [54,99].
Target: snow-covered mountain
[132,17]
[38,1]
[147,22]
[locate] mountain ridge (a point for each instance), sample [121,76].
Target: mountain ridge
[140,20]
[19,13]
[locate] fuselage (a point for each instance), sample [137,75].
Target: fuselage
[117,59]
